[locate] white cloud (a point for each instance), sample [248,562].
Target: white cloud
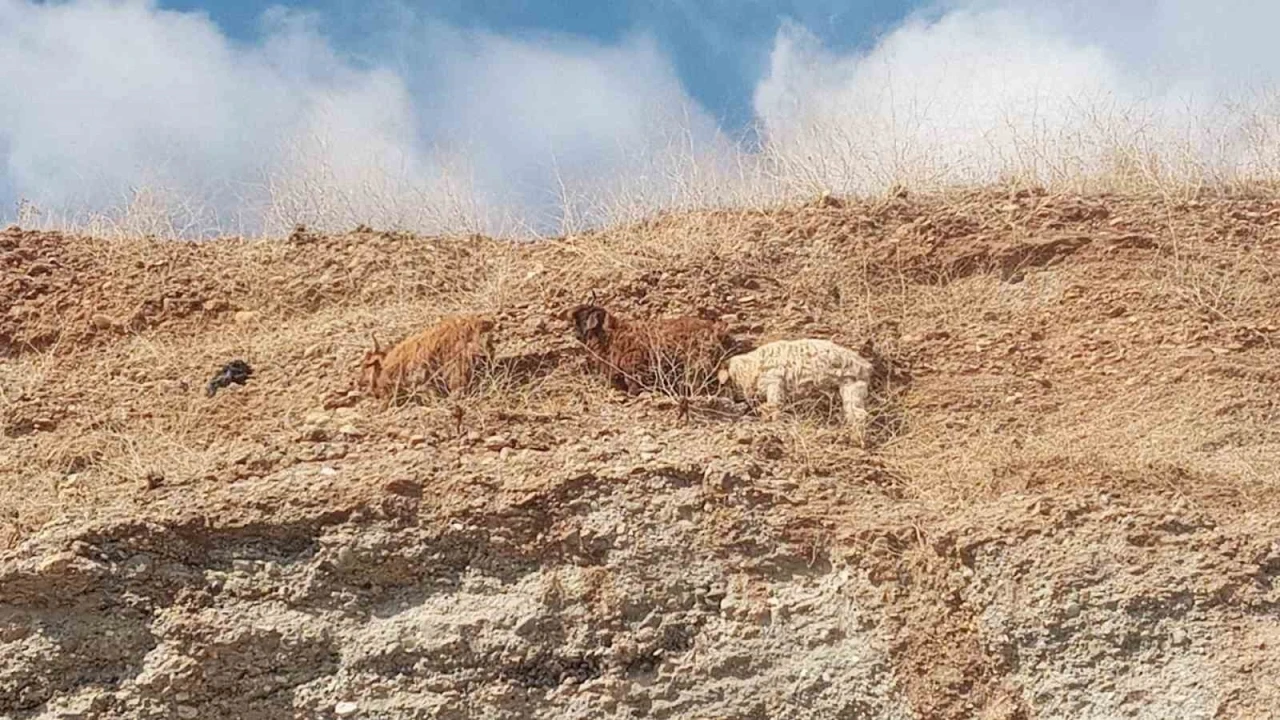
[974,90]
[532,113]
[103,96]
[108,96]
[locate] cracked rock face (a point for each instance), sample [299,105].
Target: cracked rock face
[630,610]
[657,594]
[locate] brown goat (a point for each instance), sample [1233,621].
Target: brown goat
[444,355]
[637,354]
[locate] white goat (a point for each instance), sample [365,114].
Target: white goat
[787,369]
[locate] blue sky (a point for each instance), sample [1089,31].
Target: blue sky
[719,48]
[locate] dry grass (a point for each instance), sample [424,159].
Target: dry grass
[860,148]
[1138,361]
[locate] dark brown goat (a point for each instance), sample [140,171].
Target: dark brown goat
[636,354]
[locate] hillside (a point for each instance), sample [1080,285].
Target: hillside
[1067,507]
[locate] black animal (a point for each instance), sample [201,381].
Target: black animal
[235,372]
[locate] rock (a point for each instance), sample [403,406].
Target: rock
[351,431]
[312,433]
[527,625]
[346,415]
[246,317]
[496,442]
[316,418]
[102,322]
[345,709]
[139,564]
[187,711]
[404,487]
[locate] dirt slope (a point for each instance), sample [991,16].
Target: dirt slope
[1067,507]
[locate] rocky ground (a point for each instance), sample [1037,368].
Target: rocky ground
[1066,507]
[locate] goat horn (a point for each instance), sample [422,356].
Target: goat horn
[376,347]
[593,297]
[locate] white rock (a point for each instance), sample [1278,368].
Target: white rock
[345,709]
[526,625]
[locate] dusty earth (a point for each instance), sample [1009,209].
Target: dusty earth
[1066,507]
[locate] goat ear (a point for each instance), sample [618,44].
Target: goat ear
[595,320]
[579,316]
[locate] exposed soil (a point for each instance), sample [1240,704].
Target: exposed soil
[1066,508]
